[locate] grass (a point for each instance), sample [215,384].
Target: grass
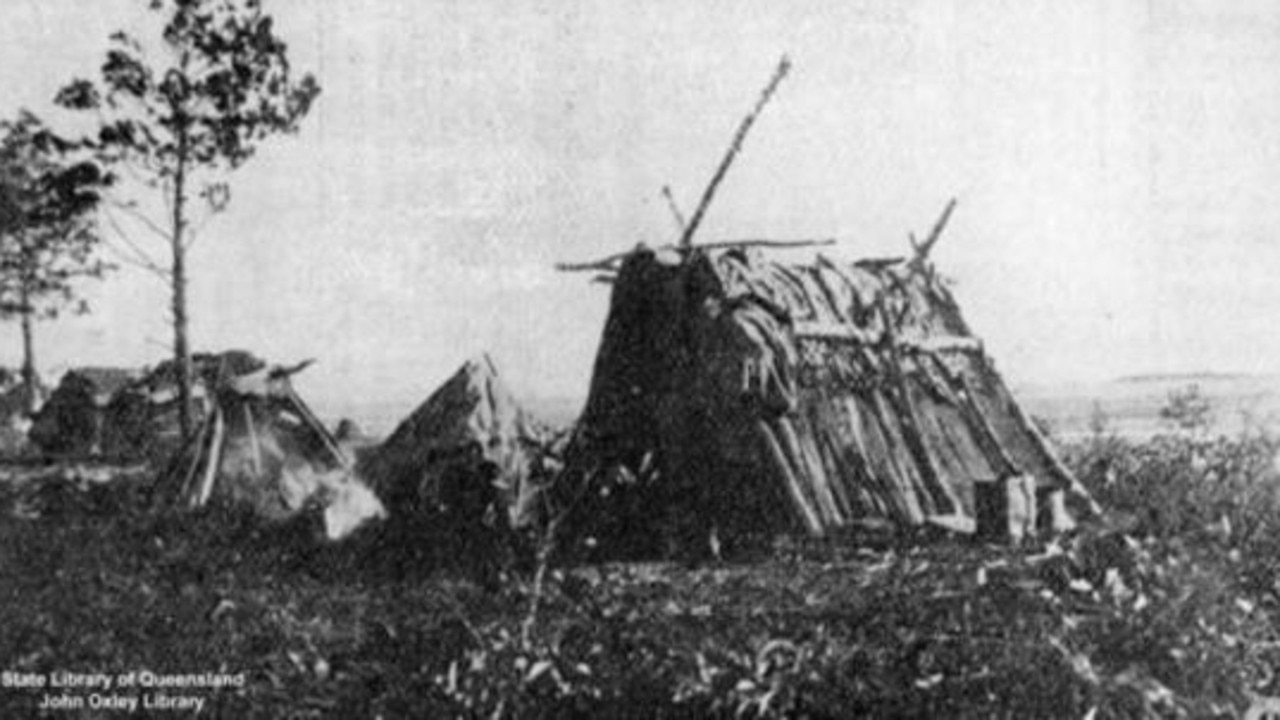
[1166,610]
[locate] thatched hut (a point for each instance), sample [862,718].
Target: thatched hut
[736,392]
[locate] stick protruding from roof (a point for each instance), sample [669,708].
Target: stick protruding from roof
[686,238]
[676,215]
[922,248]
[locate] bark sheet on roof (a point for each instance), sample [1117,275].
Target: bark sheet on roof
[808,396]
[471,426]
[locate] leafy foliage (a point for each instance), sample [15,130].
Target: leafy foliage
[1163,610]
[48,195]
[218,84]
[1104,624]
[223,84]
[1188,409]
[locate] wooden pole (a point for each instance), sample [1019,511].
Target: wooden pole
[761,242]
[302,410]
[212,460]
[678,216]
[912,434]
[686,238]
[922,249]
[609,263]
[188,488]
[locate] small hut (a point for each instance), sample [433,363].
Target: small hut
[74,419]
[258,445]
[469,439]
[141,418]
[743,393]
[733,391]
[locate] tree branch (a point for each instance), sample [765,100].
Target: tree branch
[142,218]
[140,258]
[194,232]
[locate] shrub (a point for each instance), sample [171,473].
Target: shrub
[1166,612]
[1188,410]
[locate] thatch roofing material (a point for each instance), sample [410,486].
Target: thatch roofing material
[858,390]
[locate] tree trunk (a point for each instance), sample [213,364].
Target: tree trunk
[181,347]
[30,381]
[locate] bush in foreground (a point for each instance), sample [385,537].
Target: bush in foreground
[1168,613]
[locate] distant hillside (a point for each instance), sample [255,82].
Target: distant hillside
[1131,405]
[1186,378]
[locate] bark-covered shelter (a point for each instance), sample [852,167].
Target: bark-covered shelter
[141,418]
[735,395]
[259,446]
[739,392]
[469,439]
[74,420]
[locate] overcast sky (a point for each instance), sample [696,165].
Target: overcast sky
[1117,166]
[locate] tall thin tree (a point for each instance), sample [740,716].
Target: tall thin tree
[48,229]
[183,111]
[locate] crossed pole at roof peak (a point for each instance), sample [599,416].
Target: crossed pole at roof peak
[922,248]
[686,238]
[611,263]
[687,229]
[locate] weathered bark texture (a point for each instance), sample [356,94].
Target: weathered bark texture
[772,396]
